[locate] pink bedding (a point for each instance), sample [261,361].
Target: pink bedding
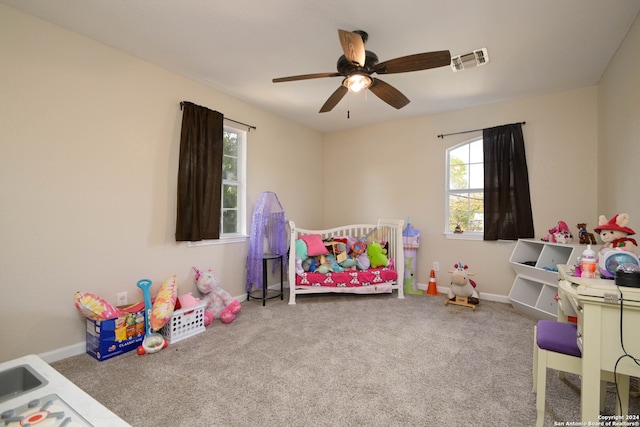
[349,278]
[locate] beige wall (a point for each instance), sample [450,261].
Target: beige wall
[619,132]
[89,140]
[397,169]
[89,143]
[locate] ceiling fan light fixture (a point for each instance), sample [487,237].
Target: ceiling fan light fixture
[357,82]
[474,59]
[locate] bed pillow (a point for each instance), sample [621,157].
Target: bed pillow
[315,245]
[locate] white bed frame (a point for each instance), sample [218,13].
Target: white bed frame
[395,251]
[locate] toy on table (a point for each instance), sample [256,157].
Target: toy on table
[618,248]
[584,236]
[614,233]
[463,289]
[220,304]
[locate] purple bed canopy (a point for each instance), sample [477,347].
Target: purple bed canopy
[268,235]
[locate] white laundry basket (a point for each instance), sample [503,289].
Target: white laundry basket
[184,323]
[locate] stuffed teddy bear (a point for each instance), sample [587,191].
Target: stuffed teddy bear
[377,255]
[614,233]
[220,304]
[462,286]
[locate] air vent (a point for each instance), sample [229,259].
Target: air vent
[468,60]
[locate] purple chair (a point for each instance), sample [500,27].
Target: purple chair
[556,347]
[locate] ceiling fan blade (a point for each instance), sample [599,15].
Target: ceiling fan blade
[334,99]
[353,46]
[417,62]
[388,94]
[305,77]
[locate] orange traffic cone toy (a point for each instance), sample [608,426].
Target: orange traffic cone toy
[433,287]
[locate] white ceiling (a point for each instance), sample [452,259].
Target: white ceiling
[238,46]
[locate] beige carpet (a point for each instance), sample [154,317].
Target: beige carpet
[345,360]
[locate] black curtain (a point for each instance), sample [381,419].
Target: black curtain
[199,174]
[507,201]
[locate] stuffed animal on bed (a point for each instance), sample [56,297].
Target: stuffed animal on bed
[220,304]
[377,255]
[323,264]
[358,248]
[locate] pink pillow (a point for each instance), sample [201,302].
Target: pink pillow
[94,307]
[315,245]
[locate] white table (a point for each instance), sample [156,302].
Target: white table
[595,302]
[56,384]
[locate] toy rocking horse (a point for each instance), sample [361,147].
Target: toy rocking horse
[462,290]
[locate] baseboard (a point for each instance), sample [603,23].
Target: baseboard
[80,348]
[64,352]
[483,295]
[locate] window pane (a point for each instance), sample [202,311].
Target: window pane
[476,154]
[230,221]
[458,177]
[476,212]
[229,196]
[233,212]
[461,153]
[458,210]
[230,144]
[230,168]
[466,173]
[476,176]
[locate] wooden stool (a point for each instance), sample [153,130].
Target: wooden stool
[463,301]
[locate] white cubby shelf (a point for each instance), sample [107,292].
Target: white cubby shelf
[536,285]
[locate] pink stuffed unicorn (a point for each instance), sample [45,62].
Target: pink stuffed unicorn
[559,234]
[220,304]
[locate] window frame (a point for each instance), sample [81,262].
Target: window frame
[449,234]
[241,182]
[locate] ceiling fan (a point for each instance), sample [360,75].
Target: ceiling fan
[357,66]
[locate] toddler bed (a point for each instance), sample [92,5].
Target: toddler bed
[345,245]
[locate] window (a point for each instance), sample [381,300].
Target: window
[465,188]
[233,215]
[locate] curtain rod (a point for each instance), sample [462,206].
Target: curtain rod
[231,120]
[469,131]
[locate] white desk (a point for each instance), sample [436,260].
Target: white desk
[60,389]
[595,303]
